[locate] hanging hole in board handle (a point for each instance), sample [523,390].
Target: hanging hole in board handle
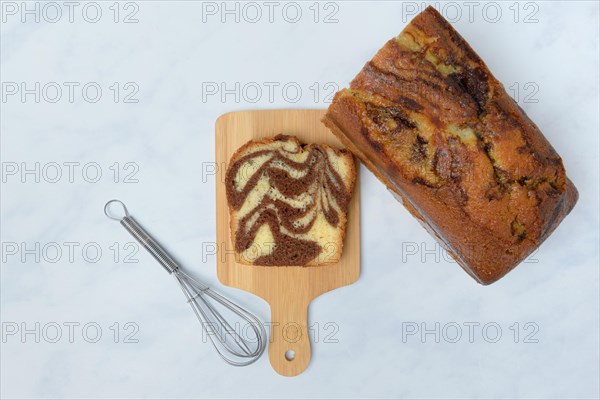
[290,355]
[111,215]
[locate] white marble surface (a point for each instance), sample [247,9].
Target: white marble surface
[172,55]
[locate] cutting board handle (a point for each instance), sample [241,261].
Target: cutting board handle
[289,348]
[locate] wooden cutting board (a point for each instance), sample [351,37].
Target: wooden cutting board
[288,290]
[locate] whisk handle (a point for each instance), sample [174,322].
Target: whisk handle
[144,238]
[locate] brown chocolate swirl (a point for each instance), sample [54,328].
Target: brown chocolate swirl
[302,183]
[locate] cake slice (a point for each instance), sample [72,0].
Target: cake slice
[288,203]
[429,119]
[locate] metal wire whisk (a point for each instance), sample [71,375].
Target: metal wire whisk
[230,345]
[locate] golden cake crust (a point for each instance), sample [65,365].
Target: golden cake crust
[428,118]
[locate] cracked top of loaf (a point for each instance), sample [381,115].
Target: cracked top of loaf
[428,117]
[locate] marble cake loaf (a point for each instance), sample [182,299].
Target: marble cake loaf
[288,202]
[429,119]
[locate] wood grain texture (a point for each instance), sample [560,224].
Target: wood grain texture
[288,290]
